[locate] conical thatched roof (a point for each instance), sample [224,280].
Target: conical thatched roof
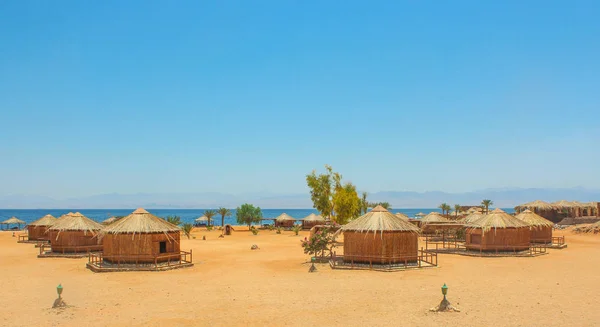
[533,219]
[472,217]
[200,219]
[434,217]
[379,220]
[402,216]
[284,217]
[76,222]
[14,220]
[420,214]
[313,217]
[564,204]
[537,204]
[140,221]
[496,219]
[47,220]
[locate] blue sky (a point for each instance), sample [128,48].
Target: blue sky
[248,96]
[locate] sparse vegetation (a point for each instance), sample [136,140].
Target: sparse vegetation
[296,229]
[187,229]
[175,220]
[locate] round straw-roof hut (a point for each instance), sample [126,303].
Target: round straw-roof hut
[497,231]
[141,237]
[380,237]
[402,216]
[540,229]
[38,230]
[434,217]
[284,220]
[73,233]
[311,220]
[13,221]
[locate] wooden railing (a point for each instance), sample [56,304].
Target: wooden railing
[558,240]
[386,262]
[69,249]
[170,259]
[23,237]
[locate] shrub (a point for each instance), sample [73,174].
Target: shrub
[254,230]
[279,230]
[187,229]
[296,229]
[320,242]
[209,228]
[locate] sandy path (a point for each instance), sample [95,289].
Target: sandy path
[232,285]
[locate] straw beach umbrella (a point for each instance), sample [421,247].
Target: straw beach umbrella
[141,237]
[497,231]
[38,230]
[311,220]
[13,221]
[201,220]
[380,237]
[540,227]
[284,220]
[75,232]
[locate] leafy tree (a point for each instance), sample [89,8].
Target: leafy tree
[334,200]
[248,214]
[364,204]
[187,229]
[448,208]
[385,205]
[175,220]
[224,212]
[209,214]
[456,209]
[319,242]
[486,204]
[443,206]
[346,203]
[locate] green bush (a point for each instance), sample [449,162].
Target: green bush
[254,230]
[296,229]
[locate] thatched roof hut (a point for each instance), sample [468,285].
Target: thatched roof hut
[38,230]
[73,233]
[109,221]
[141,237]
[541,208]
[540,228]
[402,216]
[434,217]
[420,214]
[13,221]
[201,219]
[285,220]
[380,237]
[497,231]
[472,217]
[311,220]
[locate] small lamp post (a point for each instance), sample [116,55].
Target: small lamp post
[59,290]
[312,266]
[445,291]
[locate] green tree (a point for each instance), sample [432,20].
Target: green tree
[323,193]
[456,209]
[346,203]
[224,212]
[364,204]
[443,206]
[175,220]
[486,204]
[385,205]
[187,229]
[248,214]
[209,214]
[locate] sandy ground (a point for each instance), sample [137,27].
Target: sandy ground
[231,285]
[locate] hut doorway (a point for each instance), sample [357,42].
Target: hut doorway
[162,247]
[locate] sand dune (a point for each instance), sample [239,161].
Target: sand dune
[231,285]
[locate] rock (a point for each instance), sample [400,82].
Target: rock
[254,247]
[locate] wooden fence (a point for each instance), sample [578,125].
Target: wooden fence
[424,258]
[154,262]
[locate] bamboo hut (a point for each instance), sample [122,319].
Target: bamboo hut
[311,220]
[540,229]
[141,237]
[13,221]
[497,231]
[402,216]
[571,209]
[434,217]
[380,237]
[541,208]
[38,230]
[472,217]
[284,220]
[75,233]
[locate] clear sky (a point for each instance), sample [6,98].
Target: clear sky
[248,96]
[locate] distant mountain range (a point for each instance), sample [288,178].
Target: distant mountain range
[508,197]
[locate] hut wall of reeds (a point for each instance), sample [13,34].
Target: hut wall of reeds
[540,228]
[541,208]
[380,237]
[141,237]
[38,230]
[497,231]
[380,247]
[75,233]
[141,247]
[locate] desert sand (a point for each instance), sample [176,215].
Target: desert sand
[230,285]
